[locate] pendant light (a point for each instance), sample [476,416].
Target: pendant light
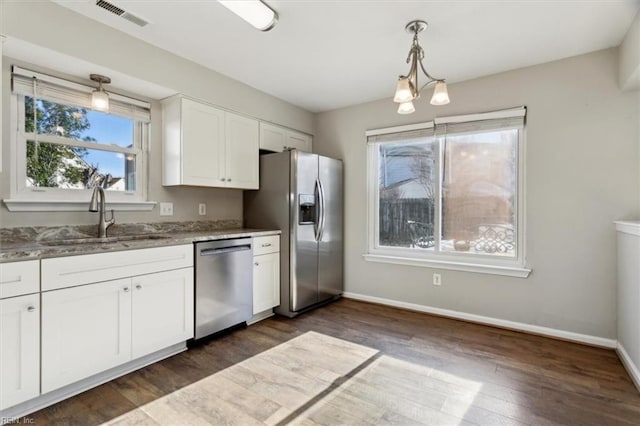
[100,98]
[407,88]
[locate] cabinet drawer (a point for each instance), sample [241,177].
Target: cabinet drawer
[264,245]
[19,278]
[69,271]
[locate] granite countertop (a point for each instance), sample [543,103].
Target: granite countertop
[28,243]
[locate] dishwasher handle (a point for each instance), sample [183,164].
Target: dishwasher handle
[221,250]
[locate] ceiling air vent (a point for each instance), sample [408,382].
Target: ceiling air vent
[112,8]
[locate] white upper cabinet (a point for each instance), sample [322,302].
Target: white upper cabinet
[242,149]
[299,141]
[277,139]
[206,146]
[202,144]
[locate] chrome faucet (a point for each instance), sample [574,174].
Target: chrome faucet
[103,224]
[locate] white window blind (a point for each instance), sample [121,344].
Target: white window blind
[66,92]
[401,136]
[484,122]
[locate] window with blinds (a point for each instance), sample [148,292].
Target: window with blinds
[64,147]
[450,189]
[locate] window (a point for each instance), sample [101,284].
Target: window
[62,148]
[449,193]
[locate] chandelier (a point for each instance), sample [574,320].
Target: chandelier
[408,88]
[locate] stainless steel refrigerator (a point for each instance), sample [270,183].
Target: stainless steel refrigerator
[302,195]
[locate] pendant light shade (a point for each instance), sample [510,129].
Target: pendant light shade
[404,92]
[100,98]
[440,94]
[406,108]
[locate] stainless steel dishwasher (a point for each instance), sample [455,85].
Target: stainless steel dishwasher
[223,288]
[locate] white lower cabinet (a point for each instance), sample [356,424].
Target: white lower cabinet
[266,273]
[85,330]
[266,282]
[91,328]
[162,310]
[19,349]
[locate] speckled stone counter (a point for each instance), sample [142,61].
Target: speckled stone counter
[40,242]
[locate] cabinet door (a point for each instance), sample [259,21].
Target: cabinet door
[242,149]
[19,349]
[266,282]
[85,330]
[203,150]
[272,138]
[162,312]
[299,141]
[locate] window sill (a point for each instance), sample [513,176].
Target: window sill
[454,266]
[17,205]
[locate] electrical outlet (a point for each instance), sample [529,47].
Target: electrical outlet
[202,209]
[166,209]
[437,279]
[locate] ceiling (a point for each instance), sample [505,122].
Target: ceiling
[327,54]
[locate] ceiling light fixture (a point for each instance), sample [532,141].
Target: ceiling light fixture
[408,89]
[254,12]
[100,98]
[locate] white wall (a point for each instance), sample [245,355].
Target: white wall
[581,174]
[57,28]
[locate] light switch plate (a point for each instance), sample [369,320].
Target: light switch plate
[202,209]
[166,209]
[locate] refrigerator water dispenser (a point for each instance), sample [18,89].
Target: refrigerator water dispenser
[307,207]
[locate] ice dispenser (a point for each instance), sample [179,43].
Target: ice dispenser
[307,209]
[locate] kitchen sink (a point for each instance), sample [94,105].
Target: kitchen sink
[105,240]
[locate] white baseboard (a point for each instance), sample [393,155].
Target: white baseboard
[512,325]
[628,363]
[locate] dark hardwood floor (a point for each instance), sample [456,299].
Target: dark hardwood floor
[518,378]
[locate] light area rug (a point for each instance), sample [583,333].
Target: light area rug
[314,379]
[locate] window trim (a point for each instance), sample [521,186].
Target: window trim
[447,260]
[25,198]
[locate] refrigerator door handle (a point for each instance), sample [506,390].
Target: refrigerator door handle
[321,220]
[317,223]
